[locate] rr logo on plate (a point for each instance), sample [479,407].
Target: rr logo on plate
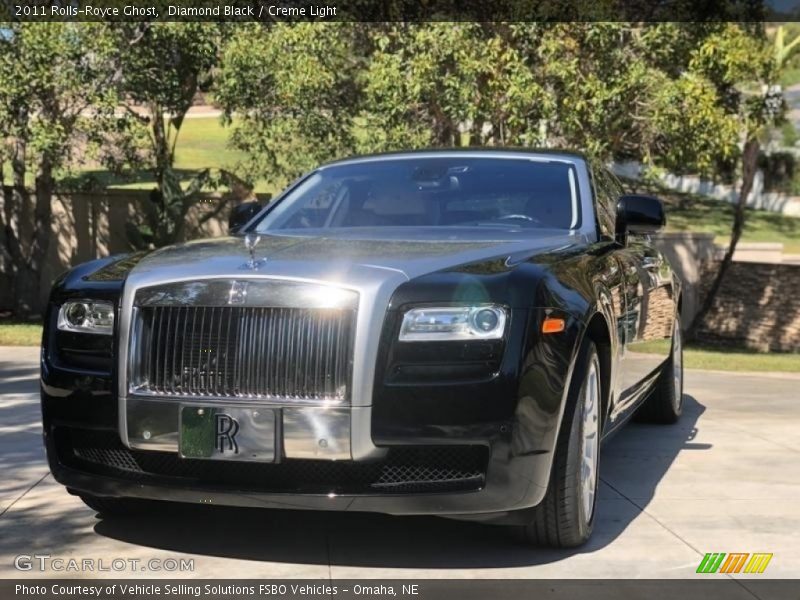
[226,429]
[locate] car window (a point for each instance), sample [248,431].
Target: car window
[433,192]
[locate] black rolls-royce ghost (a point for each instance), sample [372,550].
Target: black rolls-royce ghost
[432,332]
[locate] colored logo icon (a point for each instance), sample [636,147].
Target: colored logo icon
[735,562]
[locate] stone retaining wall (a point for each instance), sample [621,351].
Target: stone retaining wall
[758,307]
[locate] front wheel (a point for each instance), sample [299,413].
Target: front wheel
[565,517]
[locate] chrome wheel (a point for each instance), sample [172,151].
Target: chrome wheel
[590,442]
[677,367]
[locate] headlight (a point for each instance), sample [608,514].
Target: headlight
[486,322]
[86,316]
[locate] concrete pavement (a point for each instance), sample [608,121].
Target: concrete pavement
[726,479]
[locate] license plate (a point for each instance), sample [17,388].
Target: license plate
[227,433]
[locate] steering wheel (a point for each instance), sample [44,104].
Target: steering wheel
[517,216]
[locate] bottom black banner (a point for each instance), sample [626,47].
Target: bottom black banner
[407,589]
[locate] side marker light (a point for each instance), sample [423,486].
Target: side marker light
[553,325]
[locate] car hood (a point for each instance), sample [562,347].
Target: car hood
[336,259]
[373,268]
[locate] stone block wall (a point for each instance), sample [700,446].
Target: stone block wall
[757,307]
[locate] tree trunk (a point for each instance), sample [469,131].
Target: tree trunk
[749,166]
[15,200]
[6,260]
[160,144]
[444,130]
[18,209]
[29,277]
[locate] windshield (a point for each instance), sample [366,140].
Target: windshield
[501,193]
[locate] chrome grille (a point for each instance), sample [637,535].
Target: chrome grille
[243,352]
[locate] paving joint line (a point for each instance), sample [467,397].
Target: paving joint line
[676,535]
[25,493]
[642,509]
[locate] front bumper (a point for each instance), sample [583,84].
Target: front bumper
[469,471]
[410,480]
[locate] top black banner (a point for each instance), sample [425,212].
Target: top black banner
[269,11]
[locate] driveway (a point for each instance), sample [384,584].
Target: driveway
[726,479]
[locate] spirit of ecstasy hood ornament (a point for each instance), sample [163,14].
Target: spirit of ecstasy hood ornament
[251,241]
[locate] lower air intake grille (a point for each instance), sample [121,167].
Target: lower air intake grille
[418,469]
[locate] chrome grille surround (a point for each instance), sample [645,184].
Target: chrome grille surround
[282,341]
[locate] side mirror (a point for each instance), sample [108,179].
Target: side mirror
[241,215]
[639,214]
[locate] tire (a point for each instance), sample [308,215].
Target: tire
[565,517]
[115,507]
[665,403]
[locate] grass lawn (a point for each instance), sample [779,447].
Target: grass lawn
[202,143]
[690,212]
[20,334]
[722,359]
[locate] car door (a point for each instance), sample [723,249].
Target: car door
[644,309]
[645,318]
